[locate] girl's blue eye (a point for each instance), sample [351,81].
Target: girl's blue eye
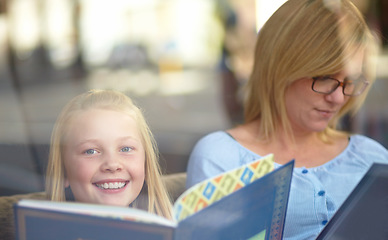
[90,151]
[126,149]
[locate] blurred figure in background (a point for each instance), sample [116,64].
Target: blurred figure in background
[313,65]
[237,56]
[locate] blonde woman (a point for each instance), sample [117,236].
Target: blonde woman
[102,151]
[312,66]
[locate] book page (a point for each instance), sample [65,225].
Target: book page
[122,213]
[211,190]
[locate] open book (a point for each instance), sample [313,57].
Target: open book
[245,203]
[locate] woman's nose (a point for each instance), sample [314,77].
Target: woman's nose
[337,96]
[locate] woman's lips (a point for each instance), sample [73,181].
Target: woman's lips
[326,113]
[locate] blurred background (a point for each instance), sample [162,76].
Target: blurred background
[181,61]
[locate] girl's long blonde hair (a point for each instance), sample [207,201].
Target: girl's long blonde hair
[157,197]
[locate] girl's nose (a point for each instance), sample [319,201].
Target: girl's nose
[110,163]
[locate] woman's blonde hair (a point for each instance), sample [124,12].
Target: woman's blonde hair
[158,200]
[305,38]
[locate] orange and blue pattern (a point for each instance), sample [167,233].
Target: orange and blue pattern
[207,192]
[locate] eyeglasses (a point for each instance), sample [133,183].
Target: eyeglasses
[350,87]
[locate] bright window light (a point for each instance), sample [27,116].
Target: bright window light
[264,10]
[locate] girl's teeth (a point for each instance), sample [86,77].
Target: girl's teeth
[115,185]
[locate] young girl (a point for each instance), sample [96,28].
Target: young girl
[103,152]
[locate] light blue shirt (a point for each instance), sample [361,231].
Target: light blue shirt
[316,193]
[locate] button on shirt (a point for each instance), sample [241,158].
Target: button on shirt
[316,193]
[315,207]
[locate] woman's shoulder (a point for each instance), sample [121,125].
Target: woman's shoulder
[216,138]
[214,153]
[364,142]
[367,148]
[214,143]
[221,134]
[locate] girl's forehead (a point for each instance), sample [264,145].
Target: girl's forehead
[100,116]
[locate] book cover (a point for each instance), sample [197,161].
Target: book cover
[364,214]
[249,202]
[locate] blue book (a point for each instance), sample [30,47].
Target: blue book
[364,214]
[245,203]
